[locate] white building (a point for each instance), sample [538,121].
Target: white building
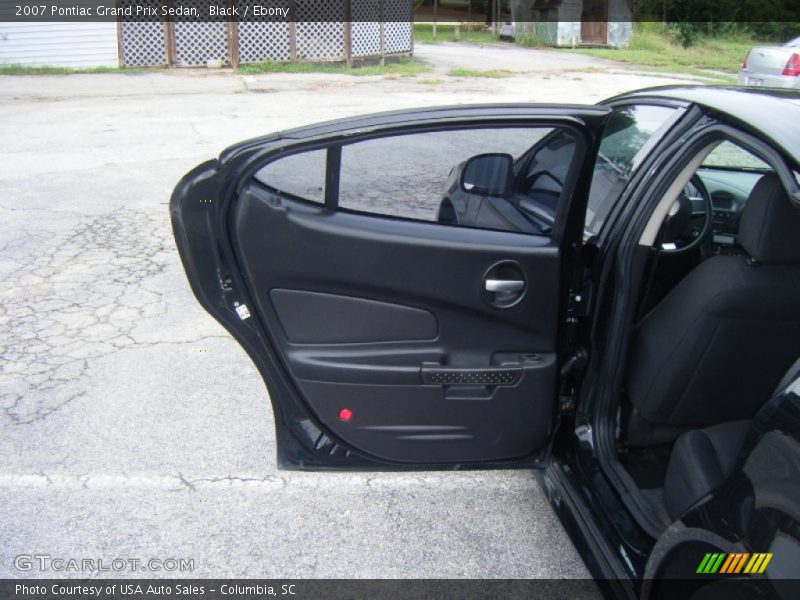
[59,44]
[575,22]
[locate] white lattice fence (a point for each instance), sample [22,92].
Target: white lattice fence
[143,43]
[260,41]
[196,43]
[366,38]
[370,17]
[366,29]
[397,37]
[263,41]
[397,26]
[318,40]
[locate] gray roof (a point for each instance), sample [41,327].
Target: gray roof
[775,113]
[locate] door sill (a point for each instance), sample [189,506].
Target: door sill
[600,558]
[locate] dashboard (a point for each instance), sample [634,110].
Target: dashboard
[729,190]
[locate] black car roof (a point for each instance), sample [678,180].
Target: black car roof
[585,112]
[773,112]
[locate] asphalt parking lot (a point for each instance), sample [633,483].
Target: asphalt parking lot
[132,425]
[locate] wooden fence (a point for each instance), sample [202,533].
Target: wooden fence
[368,28]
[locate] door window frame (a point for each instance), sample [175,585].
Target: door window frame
[640,158]
[581,157]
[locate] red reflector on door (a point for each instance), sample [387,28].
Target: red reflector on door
[345,414]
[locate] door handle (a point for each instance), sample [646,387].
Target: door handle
[504,285]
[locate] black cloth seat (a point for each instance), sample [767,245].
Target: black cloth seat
[713,348]
[700,462]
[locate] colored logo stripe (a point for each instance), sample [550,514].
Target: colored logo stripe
[764,564]
[737,568]
[710,563]
[728,562]
[758,563]
[737,562]
[703,563]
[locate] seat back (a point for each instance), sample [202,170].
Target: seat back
[714,347]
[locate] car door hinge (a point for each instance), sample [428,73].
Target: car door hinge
[226,283]
[572,367]
[579,302]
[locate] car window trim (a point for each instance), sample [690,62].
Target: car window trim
[657,135]
[333,172]
[680,110]
[546,121]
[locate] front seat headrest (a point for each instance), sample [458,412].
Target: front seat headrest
[769,229]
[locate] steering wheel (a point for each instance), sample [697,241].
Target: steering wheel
[690,226]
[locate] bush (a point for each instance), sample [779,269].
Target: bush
[687,20]
[684,34]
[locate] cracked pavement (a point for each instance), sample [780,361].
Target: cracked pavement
[131,423]
[74,302]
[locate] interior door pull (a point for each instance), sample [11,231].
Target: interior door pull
[483,376]
[504,285]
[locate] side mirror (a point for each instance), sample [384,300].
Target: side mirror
[488,175]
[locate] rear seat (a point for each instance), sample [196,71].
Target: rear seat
[702,459]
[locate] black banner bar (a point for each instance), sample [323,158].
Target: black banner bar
[288,589]
[442,11]
[388,589]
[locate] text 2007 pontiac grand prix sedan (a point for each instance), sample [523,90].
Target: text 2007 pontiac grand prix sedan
[607,294]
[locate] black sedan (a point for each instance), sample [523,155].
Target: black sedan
[605,294]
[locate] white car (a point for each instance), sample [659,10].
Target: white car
[772,66]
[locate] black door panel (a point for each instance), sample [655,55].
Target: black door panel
[350,302]
[388,342]
[286,244]
[460,423]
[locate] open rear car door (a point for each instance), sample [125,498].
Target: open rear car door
[387,338]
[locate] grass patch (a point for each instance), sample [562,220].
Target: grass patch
[404,68]
[491,73]
[656,51]
[702,75]
[528,40]
[476,34]
[25,70]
